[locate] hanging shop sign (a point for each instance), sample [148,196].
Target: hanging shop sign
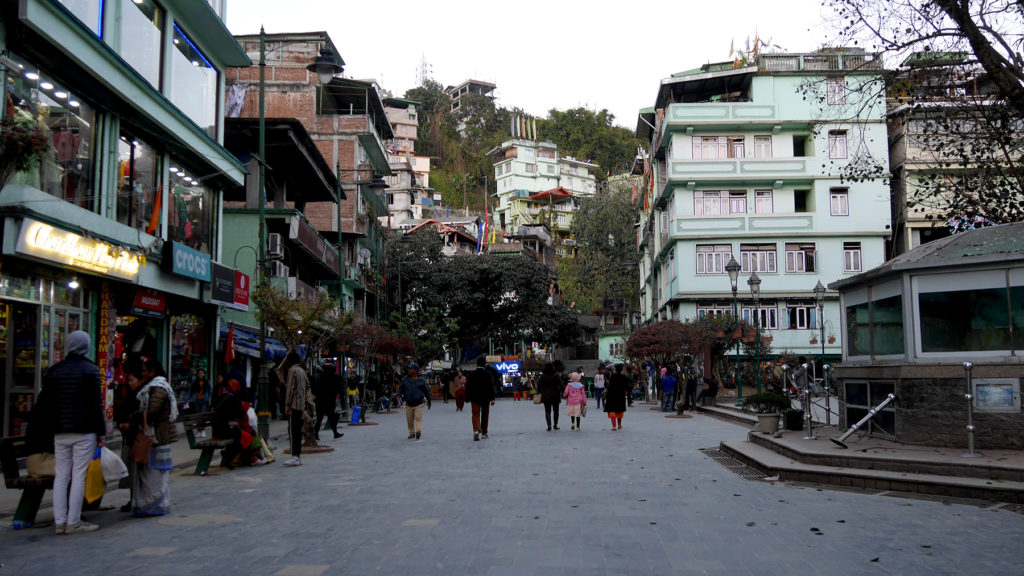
[150,303]
[63,247]
[106,330]
[184,261]
[229,287]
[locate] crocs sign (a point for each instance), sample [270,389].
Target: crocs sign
[507,367]
[184,261]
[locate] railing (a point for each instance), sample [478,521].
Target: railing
[823,61]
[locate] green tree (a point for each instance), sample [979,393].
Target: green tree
[606,262]
[590,136]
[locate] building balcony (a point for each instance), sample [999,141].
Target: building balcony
[747,171]
[755,225]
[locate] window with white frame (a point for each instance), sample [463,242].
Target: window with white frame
[800,257]
[837,143]
[707,202]
[801,316]
[763,202]
[711,258]
[562,219]
[716,147]
[839,201]
[709,310]
[757,258]
[836,90]
[762,146]
[851,257]
[551,169]
[531,168]
[767,316]
[738,202]
[617,348]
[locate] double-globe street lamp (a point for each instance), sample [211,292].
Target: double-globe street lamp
[325,67]
[733,268]
[755,292]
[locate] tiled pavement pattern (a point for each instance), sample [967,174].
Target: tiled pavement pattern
[523,502]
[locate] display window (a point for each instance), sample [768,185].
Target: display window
[138,195]
[36,99]
[189,353]
[190,214]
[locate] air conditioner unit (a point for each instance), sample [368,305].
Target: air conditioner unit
[278,270]
[275,249]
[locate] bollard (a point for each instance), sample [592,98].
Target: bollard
[828,393]
[969,396]
[809,406]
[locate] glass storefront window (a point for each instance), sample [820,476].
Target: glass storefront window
[190,210]
[137,205]
[139,28]
[193,83]
[887,329]
[37,99]
[24,287]
[982,321]
[90,12]
[858,330]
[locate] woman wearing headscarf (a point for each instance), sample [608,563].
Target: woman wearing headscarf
[550,386]
[615,396]
[459,385]
[575,399]
[159,412]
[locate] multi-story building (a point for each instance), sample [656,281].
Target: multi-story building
[347,121]
[747,163]
[536,185]
[115,227]
[409,184]
[942,105]
[478,87]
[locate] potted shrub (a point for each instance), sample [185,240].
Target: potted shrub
[768,406]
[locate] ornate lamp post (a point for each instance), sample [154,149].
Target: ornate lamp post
[819,298]
[755,292]
[733,268]
[325,67]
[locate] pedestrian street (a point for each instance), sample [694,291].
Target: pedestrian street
[643,500]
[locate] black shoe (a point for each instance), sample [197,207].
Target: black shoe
[417,435]
[411,436]
[127,507]
[338,435]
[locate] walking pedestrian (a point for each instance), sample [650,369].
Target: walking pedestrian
[599,386]
[575,399]
[159,409]
[480,393]
[668,389]
[550,390]
[414,392]
[328,387]
[297,391]
[459,382]
[128,421]
[619,386]
[71,393]
[690,391]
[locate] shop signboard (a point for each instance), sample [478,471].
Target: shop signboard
[106,330]
[229,287]
[507,367]
[184,261]
[49,243]
[149,303]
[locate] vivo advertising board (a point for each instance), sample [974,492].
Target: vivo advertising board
[507,367]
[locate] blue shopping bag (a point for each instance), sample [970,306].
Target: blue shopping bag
[357,413]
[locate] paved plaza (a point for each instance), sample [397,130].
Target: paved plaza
[523,502]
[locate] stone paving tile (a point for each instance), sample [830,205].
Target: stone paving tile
[524,501]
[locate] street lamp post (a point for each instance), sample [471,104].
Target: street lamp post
[733,268]
[755,292]
[819,298]
[325,67]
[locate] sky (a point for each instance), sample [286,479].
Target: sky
[542,55]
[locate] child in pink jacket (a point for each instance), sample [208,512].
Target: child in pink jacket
[576,398]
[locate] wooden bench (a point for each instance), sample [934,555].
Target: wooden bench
[32,489]
[192,424]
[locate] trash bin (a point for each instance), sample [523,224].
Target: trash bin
[794,419]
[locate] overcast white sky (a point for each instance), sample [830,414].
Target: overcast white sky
[541,54]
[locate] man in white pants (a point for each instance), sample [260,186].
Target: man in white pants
[72,395]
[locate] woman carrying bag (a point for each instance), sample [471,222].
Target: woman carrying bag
[157,405]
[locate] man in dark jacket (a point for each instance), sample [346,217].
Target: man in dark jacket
[414,392]
[325,391]
[74,392]
[480,392]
